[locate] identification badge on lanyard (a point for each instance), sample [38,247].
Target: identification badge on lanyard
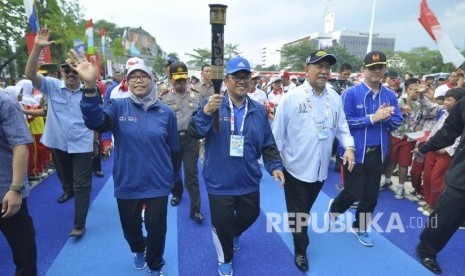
[236,148]
[322,130]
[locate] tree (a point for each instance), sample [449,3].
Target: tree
[230,51]
[201,57]
[396,64]
[12,24]
[173,56]
[294,56]
[117,51]
[111,31]
[64,19]
[159,66]
[340,51]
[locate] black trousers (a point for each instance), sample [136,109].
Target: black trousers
[443,222]
[97,155]
[189,155]
[300,197]
[20,233]
[155,224]
[75,173]
[230,217]
[361,184]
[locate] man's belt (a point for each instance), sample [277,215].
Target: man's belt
[182,132]
[372,149]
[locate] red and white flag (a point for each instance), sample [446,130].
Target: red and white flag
[445,45]
[90,37]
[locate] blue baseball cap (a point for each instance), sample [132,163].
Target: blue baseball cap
[237,64]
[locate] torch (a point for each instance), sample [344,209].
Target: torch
[217,20]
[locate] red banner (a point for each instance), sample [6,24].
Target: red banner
[427,18]
[45,55]
[96,60]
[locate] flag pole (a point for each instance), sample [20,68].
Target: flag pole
[370,35]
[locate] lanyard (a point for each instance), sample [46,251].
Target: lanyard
[233,117]
[311,109]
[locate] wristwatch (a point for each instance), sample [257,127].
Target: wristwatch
[350,148]
[17,188]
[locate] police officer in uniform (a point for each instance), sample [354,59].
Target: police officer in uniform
[184,102]
[164,85]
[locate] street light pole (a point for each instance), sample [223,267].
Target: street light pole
[370,35]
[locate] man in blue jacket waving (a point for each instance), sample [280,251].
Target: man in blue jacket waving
[231,170]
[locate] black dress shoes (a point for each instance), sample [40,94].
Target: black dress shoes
[175,200]
[197,217]
[65,197]
[429,262]
[301,261]
[78,233]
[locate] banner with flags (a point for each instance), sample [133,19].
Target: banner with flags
[446,47]
[79,47]
[90,37]
[31,15]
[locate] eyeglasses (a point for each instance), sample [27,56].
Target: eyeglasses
[69,71]
[238,78]
[133,78]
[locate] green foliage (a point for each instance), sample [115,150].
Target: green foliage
[65,21]
[201,57]
[159,66]
[230,51]
[294,56]
[12,24]
[173,56]
[112,32]
[343,56]
[117,51]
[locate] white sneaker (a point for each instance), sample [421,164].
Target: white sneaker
[412,196]
[421,203]
[330,219]
[427,211]
[400,193]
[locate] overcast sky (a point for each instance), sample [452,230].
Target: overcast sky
[182,25]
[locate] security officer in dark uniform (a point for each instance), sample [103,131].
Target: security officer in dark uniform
[184,102]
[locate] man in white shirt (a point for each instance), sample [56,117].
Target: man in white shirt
[255,93]
[307,120]
[285,81]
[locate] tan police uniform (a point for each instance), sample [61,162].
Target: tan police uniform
[163,87]
[183,106]
[204,90]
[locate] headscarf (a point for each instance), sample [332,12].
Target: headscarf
[28,96]
[151,98]
[13,92]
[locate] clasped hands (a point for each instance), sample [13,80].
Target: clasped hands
[383,113]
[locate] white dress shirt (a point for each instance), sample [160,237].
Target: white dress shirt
[305,156]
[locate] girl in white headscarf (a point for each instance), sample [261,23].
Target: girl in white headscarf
[39,155]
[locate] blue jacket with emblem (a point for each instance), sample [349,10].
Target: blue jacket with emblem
[354,100]
[144,144]
[226,175]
